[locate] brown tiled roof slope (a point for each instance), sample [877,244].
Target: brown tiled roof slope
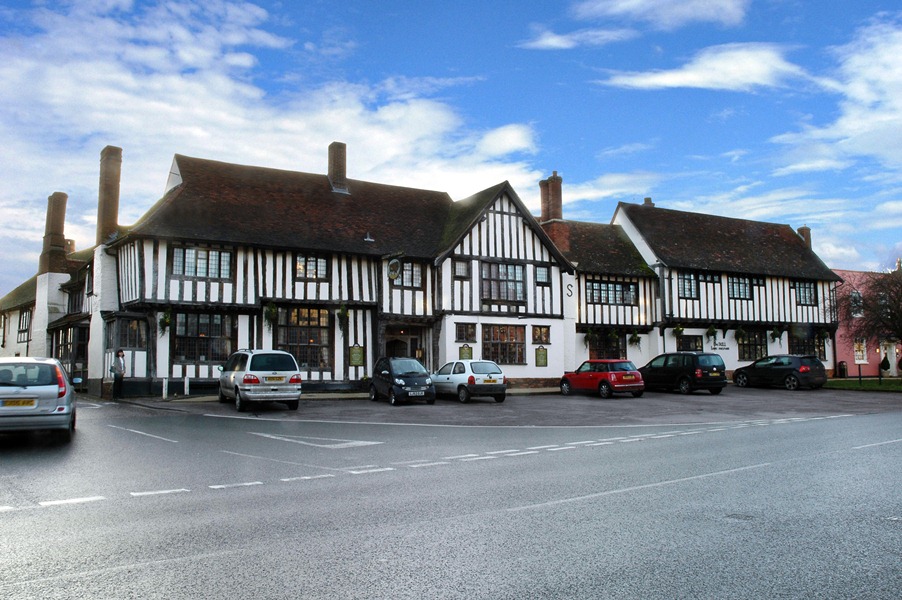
[23,295]
[220,202]
[723,244]
[598,248]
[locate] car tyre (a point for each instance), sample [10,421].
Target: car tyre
[293,404]
[430,401]
[463,394]
[374,395]
[64,436]
[684,386]
[222,397]
[638,394]
[715,391]
[500,398]
[566,390]
[791,382]
[741,379]
[604,389]
[241,405]
[392,398]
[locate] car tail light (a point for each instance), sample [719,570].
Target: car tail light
[296,378]
[699,374]
[250,379]
[804,369]
[506,382]
[61,383]
[471,380]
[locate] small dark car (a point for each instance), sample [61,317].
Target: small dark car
[686,372]
[788,370]
[401,380]
[604,376]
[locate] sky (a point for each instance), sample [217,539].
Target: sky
[786,111]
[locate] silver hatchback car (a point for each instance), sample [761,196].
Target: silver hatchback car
[260,376]
[36,394]
[467,378]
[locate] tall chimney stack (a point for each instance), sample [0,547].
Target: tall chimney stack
[552,198]
[108,198]
[53,253]
[805,233]
[338,175]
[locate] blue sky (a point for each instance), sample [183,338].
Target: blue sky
[776,110]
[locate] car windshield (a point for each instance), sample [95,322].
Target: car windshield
[485,368]
[625,365]
[27,374]
[273,362]
[409,367]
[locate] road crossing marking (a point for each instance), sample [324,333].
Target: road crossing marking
[330,443]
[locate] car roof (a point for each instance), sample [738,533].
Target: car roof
[8,360]
[607,360]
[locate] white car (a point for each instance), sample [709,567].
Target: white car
[36,393]
[467,378]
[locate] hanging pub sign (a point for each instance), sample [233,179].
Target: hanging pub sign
[357,354]
[466,352]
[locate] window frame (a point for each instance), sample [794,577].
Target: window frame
[317,329]
[504,344]
[323,266]
[213,348]
[612,293]
[740,288]
[500,281]
[687,285]
[183,268]
[411,276]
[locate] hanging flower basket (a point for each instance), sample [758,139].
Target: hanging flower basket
[711,333]
[165,321]
[740,334]
[591,338]
[635,340]
[270,314]
[776,334]
[678,331]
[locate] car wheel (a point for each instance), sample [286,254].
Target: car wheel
[241,405]
[685,386]
[463,394]
[64,436]
[638,394]
[791,382]
[604,389]
[500,397]
[374,395]
[715,391]
[293,404]
[430,401]
[741,379]
[566,390]
[222,397]
[392,398]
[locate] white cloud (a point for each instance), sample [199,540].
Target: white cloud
[735,67]
[666,14]
[548,40]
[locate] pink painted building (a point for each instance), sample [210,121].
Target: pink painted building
[863,356]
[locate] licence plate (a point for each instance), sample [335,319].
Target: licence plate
[629,377]
[273,379]
[26,402]
[490,381]
[417,393]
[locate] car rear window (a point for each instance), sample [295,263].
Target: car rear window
[27,374]
[485,368]
[811,361]
[273,362]
[625,365]
[710,360]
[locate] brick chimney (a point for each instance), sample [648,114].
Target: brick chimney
[108,195]
[805,233]
[552,198]
[338,167]
[53,253]
[648,202]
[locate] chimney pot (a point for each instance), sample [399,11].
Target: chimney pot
[805,232]
[550,190]
[648,202]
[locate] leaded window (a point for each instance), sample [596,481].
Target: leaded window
[311,267]
[202,263]
[202,337]
[503,282]
[306,334]
[688,286]
[504,344]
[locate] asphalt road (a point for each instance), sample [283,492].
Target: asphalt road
[750,494]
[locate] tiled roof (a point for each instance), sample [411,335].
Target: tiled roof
[226,203]
[710,243]
[24,295]
[598,248]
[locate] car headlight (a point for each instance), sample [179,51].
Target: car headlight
[399,381]
[429,381]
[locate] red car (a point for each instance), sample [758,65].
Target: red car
[606,376]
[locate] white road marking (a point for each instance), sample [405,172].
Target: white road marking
[5,508]
[478,458]
[365,471]
[72,501]
[580,443]
[660,437]
[299,439]
[601,444]
[561,448]
[160,492]
[690,433]
[503,451]
[632,440]
[225,486]
[307,477]
[150,435]
[635,488]
[524,453]
[542,447]
[459,456]
[877,444]
[431,464]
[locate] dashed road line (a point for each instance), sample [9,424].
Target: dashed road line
[365,470]
[225,486]
[160,492]
[150,435]
[429,464]
[72,501]
[307,477]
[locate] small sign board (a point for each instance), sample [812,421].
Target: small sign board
[465,352]
[357,354]
[541,356]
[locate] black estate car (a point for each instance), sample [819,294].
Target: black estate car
[686,372]
[788,370]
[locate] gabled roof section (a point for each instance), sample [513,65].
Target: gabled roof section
[22,296]
[217,202]
[466,213]
[598,248]
[709,243]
